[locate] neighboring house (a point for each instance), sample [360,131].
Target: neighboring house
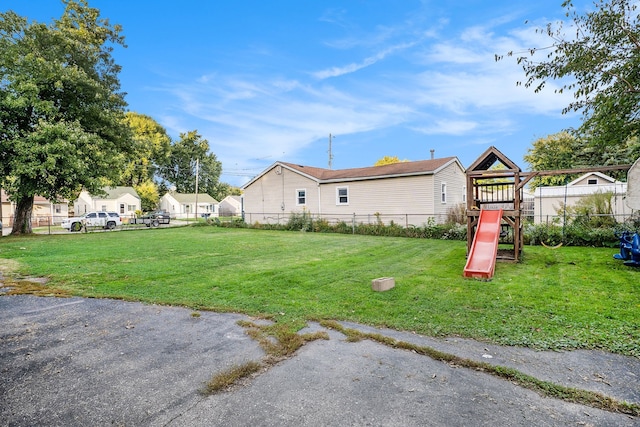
[180,205]
[123,200]
[44,212]
[231,206]
[408,193]
[7,209]
[549,201]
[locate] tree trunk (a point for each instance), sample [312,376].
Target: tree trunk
[22,216]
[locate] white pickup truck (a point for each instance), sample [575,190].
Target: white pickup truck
[108,220]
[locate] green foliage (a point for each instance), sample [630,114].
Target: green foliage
[304,221]
[299,221]
[191,151]
[149,196]
[552,153]
[151,146]
[61,112]
[593,211]
[575,234]
[222,190]
[597,61]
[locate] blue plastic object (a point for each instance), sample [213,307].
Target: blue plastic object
[626,241]
[635,252]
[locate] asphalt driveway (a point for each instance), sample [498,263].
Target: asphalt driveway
[79,362]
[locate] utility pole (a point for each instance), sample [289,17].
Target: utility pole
[330,153]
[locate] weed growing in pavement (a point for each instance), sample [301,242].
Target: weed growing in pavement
[278,341]
[545,388]
[231,376]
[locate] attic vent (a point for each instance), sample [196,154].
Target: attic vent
[278,170]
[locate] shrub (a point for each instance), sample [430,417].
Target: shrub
[299,222]
[575,234]
[572,235]
[457,214]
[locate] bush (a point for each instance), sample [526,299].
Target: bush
[457,214]
[578,233]
[571,235]
[299,222]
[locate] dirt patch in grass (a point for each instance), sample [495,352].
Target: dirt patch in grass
[31,286]
[12,284]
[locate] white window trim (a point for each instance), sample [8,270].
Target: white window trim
[298,197]
[443,193]
[338,196]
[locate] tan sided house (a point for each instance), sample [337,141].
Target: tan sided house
[408,193]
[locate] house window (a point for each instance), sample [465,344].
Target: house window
[56,208]
[464,194]
[301,197]
[342,196]
[104,208]
[131,208]
[592,181]
[121,208]
[443,192]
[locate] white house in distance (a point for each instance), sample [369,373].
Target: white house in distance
[123,200]
[230,206]
[408,193]
[548,201]
[181,205]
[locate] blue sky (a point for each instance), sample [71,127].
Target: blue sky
[264,81]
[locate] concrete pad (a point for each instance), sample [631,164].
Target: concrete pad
[78,362]
[102,362]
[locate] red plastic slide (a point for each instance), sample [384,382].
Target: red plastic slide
[482,258]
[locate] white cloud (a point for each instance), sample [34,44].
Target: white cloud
[353,67]
[449,86]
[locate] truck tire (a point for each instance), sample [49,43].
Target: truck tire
[155,223]
[111,225]
[76,226]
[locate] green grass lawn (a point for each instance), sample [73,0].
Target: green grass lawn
[554,299]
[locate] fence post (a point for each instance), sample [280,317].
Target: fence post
[353,224]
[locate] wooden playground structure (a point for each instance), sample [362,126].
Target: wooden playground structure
[502,188]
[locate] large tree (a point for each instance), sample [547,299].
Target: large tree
[61,109]
[190,159]
[599,61]
[223,190]
[152,147]
[553,152]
